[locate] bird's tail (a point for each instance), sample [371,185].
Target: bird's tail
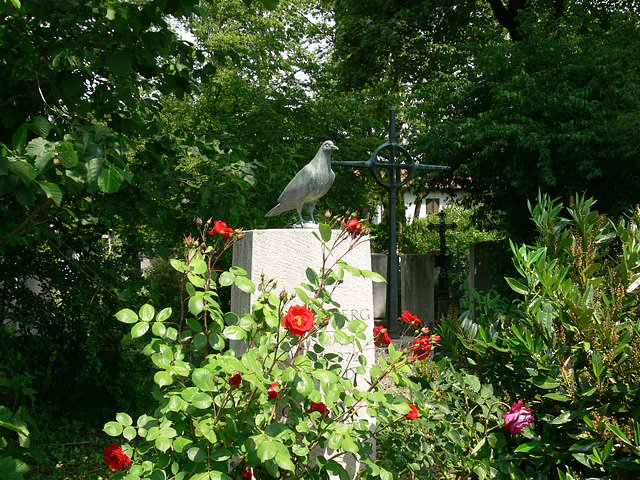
[275,211]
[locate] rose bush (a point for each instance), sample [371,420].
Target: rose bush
[226,415]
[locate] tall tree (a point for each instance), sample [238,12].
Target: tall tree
[537,95]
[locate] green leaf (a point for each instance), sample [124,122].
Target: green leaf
[127,316]
[201,400]
[158,329]
[110,180]
[124,419]
[618,433]
[558,397]
[52,191]
[226,279]
[139,329]
[203,379]
[517,286]
[67,154]
[119,64]
[244,284]
[266,448]
[163,378]
[312,276]
[20,138]
[564,417]
[326,376]
[284,461]
[147,312]
[375,276]
[198,266]
[163,443]
[545,382]
[112,429]
[341,337]
[528,447]
[41,126]
[129,433]
[234,332]
[220,456]
[304,384]
[271,5]
[325,232]
[25,171]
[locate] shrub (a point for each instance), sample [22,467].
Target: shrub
[422,235]
[569,350]
[268,411]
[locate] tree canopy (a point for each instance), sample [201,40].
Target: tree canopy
[532,95]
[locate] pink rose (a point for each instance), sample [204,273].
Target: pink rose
[518,418]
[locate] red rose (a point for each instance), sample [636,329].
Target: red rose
[220,228]
[318,407]
[413,414]
[421,349]
[518,418]
[298,320]
[247,475]
[354,226]
[271,391]
[235,380]
[409,318]
[381,335]
[115,457]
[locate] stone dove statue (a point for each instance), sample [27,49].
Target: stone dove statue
[308,186]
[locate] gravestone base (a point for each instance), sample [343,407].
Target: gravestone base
[284,256]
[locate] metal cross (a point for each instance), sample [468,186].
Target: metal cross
[442,259]
[399,173]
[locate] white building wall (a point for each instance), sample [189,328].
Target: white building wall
[443,198]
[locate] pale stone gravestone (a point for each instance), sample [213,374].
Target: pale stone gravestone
[285,255]
[379,265]
[416,274]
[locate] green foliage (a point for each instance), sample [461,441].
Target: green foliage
[222,411]
[514,96]
[422,235]
[16,426]
[568,350]
[536,114]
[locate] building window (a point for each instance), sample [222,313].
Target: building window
[433,205]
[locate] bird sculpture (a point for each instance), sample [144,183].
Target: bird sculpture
[308,186]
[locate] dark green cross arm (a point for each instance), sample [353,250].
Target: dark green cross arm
[392,184]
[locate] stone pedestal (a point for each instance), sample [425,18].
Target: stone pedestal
[285,255]
[417,285]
